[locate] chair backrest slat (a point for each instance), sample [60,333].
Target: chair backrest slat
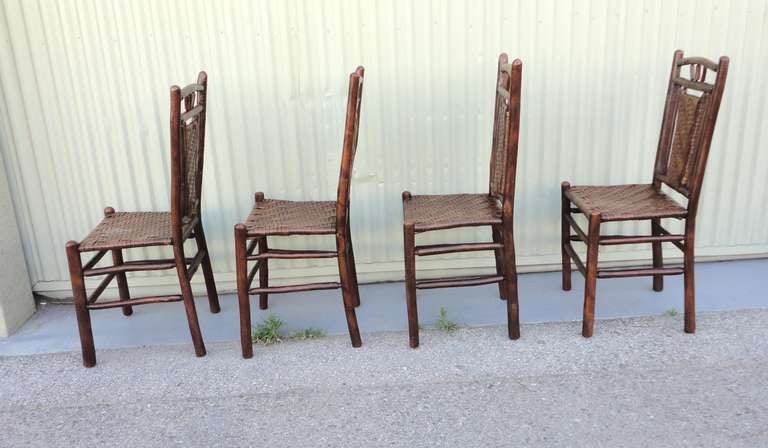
[688,124]
[506,129]
[349,146]
[187,150]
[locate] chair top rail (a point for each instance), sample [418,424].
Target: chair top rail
[191,88]
[710,65]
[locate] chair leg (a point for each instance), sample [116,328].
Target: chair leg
[122,281]
[210,284]
[346,291]
[263,274]
[241,267]
[81,310]
[189,300]
[409,237]
[510,282]
[352,269]
[690,293]
[498,255]
[593,239]
[565,236]
[658,257]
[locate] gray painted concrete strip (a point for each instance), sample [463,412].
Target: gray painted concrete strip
[720,286]
[637,382]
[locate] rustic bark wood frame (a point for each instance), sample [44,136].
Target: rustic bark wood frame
[124,230]
[686,134]
[494,209]
[285,218]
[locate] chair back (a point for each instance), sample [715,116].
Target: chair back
[351,130]
[506,130]
[188,110]
[690,112]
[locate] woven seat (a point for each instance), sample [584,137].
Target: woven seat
[433,212]
[278,217]
[123,230]
[625,202]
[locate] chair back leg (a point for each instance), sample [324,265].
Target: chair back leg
[565,235]
[210,284]
[690,292]
[188,298]
[510,283]
[352,269]
[122,281]
[263,274]
[347,290]
[499,258]
[658,257]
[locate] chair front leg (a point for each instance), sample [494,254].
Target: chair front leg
[243,299]
[690,292]
[510,283]
[593,243]
[346,290]
[210,284]
[188,298]
[565,235]
[122,281]
[658,257]
[409,237]
[499,258]
[81,299]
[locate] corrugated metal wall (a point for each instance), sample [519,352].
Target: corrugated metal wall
[84,112]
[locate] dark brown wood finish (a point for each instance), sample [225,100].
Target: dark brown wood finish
[271,217]
[688,123]
[494,209]
[143,229]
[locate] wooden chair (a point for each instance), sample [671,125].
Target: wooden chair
[686,134]
[124,230]
[274,217]
[495,209]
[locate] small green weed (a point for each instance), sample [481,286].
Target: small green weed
[671,312]
[309,333]
[268,331]
[445,324]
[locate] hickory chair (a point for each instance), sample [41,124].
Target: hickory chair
[423,213]
[686,134]
[274,217]
[124,230]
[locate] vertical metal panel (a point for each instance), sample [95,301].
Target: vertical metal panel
[84,112]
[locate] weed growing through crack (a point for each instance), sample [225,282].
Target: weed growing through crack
[671,312]
[445,324]
[268,331]
[309,333]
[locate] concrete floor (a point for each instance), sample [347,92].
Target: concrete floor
[638,382]
[720,286]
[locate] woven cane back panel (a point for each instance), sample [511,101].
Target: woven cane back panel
[500,134]
[686,139]
[191,160]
